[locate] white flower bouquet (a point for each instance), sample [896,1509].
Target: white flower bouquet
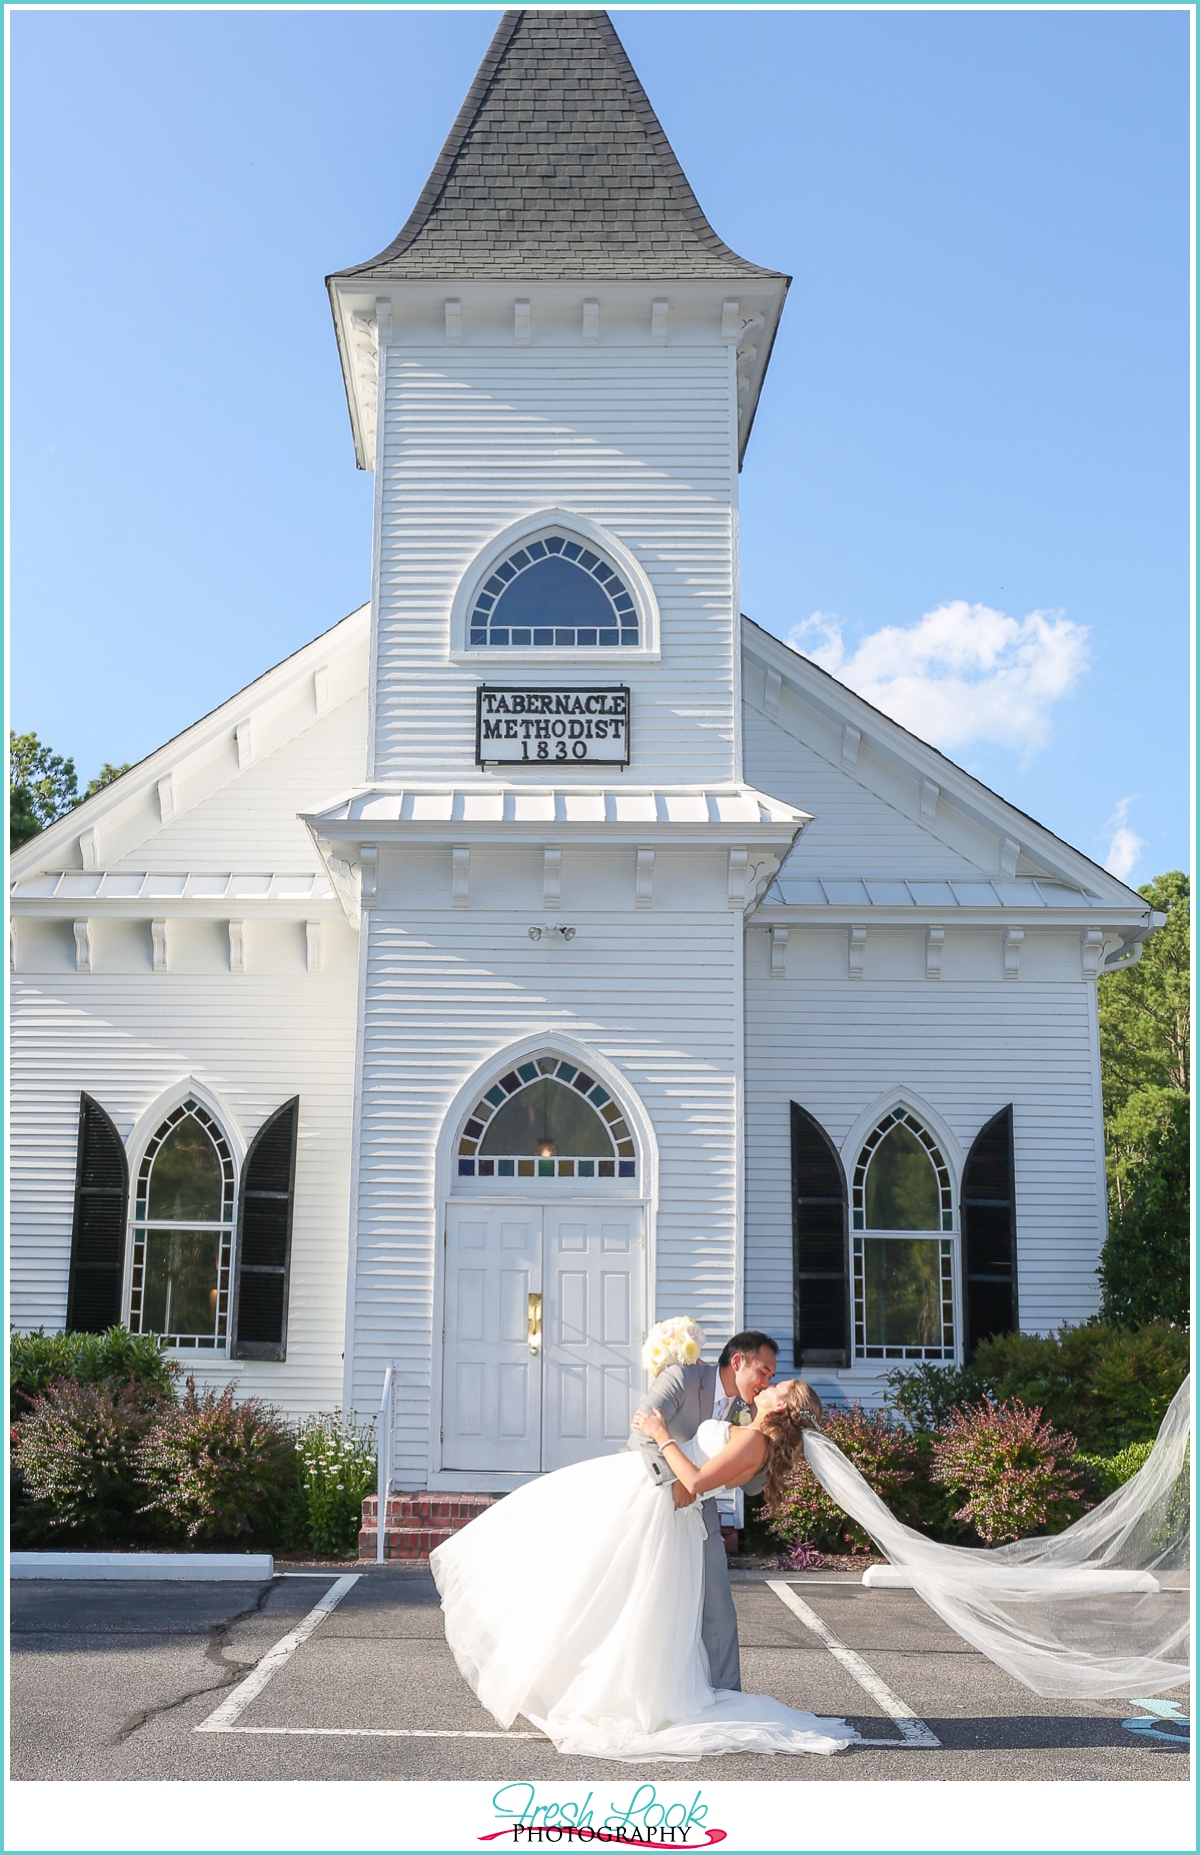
[672,1342]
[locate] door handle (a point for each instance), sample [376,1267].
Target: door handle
[535,1324]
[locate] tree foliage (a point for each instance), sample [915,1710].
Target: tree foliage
[43,787]
[1145,1040]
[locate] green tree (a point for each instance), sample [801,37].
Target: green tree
[42,786]
[1145,1039]
[105,777]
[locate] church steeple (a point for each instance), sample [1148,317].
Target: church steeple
[557,169]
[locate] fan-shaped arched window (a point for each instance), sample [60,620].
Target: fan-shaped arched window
[903,1282]
[554,591]
[546,1119]
[183,1232]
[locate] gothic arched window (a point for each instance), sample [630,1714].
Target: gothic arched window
[183,1232]
[903,1280]
[552,591]
[545,1119]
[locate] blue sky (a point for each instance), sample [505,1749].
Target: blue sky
[967,489]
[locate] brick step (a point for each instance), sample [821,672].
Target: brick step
[415,1524]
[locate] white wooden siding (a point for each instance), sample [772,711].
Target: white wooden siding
[659,998]
[968,1050]
[639,442]
[854,831]
[254,1043]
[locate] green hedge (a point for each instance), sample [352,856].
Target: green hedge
[36,1359]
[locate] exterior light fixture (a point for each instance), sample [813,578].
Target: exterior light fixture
[552,933]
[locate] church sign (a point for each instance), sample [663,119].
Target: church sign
[518,725]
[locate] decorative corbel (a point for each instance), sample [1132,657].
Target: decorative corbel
[551,878]
[774,685]
[738,862]
[83,946]
[522,323]
[158,946]
[453,322]
[730,327]
[460,876]
[166,798]
[244,733]
[368,882]
[591,323]
[658,322]
[1092,950]
[643,882]
[935,940]
[237,946]
[929,801]
[850,739]
[779,946]
[346,880]
[312,945]
[321,689]
[1013,941]
[1010,850]
[89,848]
[856,948]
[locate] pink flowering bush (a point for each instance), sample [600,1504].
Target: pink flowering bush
[217,1469]
[1017,1473]
[885,1455]
[75,1453]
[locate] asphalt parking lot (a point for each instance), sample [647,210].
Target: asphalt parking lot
[147,1681]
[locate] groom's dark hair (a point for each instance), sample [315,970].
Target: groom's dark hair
[748,1342]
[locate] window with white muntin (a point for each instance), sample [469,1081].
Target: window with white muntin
[555,592]
[903,1244]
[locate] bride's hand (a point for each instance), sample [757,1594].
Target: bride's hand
[651,1424]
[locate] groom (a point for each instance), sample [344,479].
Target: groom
[685,1396]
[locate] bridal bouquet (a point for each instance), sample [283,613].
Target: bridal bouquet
[672,1342]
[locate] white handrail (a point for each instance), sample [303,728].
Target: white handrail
[383,1465]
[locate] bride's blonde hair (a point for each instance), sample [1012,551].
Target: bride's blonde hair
[784,1430]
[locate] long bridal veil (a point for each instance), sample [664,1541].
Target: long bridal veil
[1100,1611]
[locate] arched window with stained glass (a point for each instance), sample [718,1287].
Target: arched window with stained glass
[903,1247]
[183,1232]
[554,591]
[546,1118]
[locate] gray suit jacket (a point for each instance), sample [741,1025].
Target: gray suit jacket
[684,1395]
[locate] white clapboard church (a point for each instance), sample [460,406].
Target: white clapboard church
[547,949]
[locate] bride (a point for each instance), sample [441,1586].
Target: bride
[576,1601]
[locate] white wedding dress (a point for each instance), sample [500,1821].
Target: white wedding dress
[576,1602]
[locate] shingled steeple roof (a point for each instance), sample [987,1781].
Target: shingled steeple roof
[557,169]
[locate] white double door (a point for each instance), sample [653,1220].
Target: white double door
[543,1334]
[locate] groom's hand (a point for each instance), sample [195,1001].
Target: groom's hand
[683,1497]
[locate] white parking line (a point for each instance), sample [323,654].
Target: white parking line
[913,1732]
[221,1720]
[375,1732]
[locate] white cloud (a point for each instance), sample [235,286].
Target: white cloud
[963,673]
[1125,846]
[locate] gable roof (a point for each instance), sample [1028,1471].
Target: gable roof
[1024,847]
[557,168]
[240,733]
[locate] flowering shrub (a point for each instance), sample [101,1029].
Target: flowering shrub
[883,1453]
[1017,1473]
[218,1469]
[75,1454]
[672,1342]
[335,1468]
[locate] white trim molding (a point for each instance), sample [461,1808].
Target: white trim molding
[545,521]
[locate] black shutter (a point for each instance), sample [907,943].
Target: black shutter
[820,1245]
[258,1329]
[990,1232]
[98,1227]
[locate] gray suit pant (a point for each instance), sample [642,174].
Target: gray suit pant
[718,1623]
